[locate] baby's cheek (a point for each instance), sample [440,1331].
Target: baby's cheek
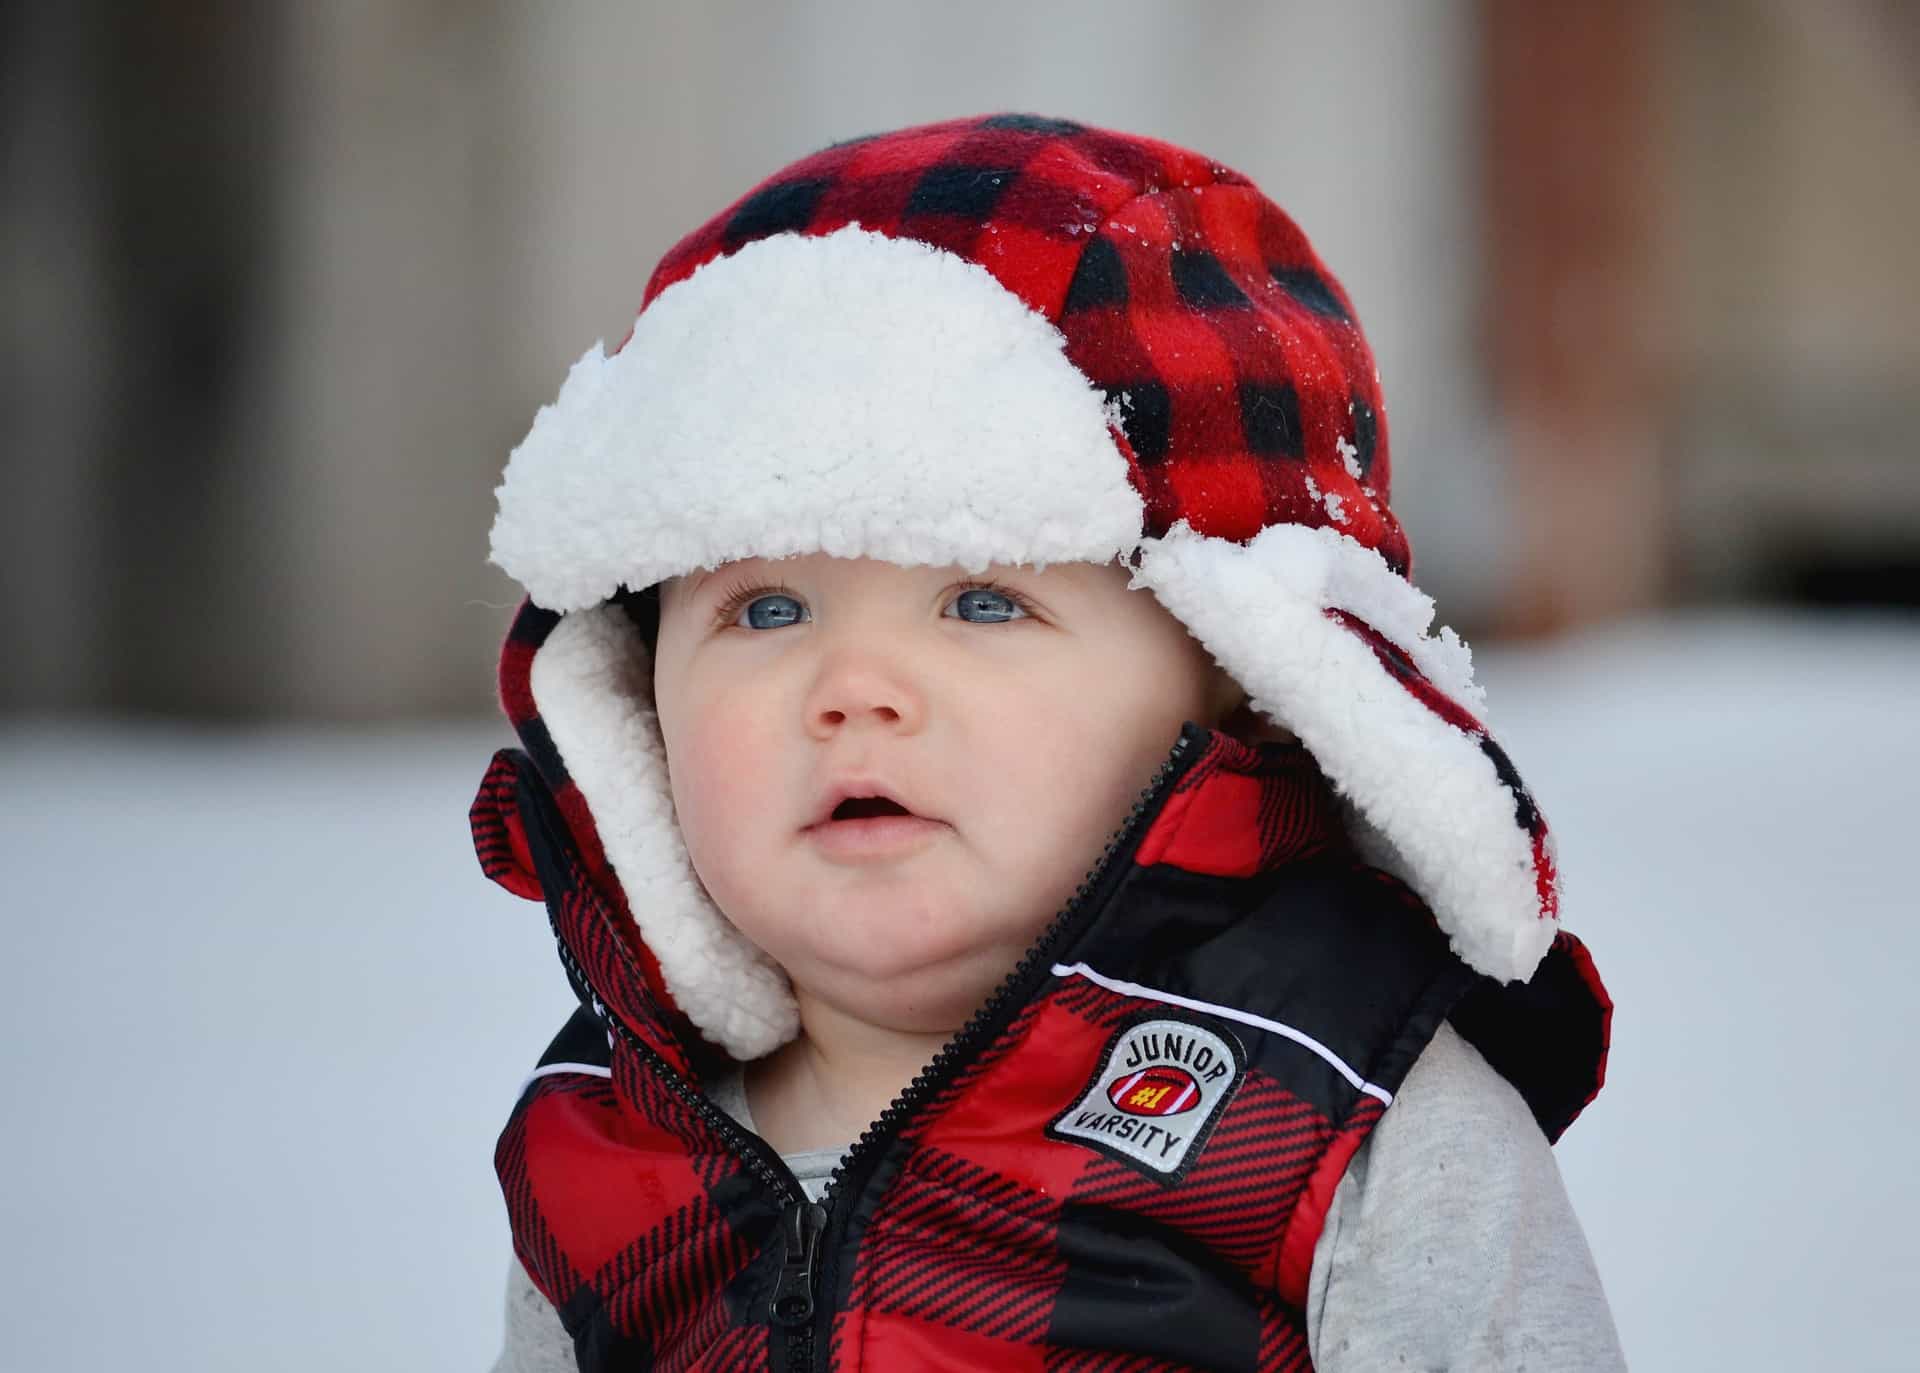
[1068,825]
[1116,768]
[713,777]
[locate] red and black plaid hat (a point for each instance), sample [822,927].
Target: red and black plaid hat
[1006,340]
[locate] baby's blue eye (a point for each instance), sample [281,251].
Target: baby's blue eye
[771,612]
[984,606]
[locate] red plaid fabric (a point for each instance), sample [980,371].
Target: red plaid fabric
[1245,389]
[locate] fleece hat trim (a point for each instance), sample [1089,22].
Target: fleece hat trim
[727,427]
[1194,398]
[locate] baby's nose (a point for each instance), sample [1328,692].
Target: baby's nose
[864,692]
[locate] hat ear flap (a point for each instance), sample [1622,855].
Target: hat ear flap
[591,684]
[1526,815]
[499,834]
[1332,645]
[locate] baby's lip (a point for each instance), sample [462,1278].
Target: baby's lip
[851,788]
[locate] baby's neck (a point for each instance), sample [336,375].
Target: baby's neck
[825,1087]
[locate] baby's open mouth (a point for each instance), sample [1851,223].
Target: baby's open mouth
[872,829]
[866,808]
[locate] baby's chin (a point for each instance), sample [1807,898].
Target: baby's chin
[911,1006]
[917,985]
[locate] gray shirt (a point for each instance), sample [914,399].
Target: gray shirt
[1450,1242]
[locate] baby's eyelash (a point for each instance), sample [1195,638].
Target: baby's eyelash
[741,594]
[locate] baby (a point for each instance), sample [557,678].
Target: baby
[1037,894]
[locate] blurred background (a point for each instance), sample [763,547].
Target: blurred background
[285,283]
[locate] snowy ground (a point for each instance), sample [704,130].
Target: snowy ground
[264,1016]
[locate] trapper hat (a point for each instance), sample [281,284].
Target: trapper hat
[1002,340]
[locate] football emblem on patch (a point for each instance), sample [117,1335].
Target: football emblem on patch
[1160,1087]
[1157,1091]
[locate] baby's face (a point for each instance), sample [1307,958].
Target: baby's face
[1016,715]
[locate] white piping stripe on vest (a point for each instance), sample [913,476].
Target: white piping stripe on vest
[1305,1041]
[587,1069]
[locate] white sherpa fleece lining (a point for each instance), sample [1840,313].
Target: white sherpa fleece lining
[592,682]
[1422,784]
[848,394]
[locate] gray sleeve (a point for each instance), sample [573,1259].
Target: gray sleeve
[536,1341]
[1451,1243]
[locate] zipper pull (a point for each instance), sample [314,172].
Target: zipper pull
[800,1226]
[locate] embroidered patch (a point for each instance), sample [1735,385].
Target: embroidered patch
[1161,1085]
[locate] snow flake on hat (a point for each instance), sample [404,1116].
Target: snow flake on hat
[1349,455]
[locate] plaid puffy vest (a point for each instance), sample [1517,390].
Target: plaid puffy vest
[1123,1161]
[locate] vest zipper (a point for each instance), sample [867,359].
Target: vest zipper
[759,1156]
[801,1225]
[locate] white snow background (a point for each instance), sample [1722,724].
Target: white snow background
[263,1016]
